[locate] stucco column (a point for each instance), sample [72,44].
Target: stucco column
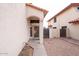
[41,32]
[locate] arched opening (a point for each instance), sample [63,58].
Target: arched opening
[34,27]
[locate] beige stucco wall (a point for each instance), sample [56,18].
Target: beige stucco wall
[34,12]
[13,28]
[64,18]
[67,16]
[54,33]
[50,23]
[50,32]
[74,31]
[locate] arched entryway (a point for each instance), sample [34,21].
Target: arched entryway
[34,24]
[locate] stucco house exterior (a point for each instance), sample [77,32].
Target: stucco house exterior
[35,16]
[19,23]
[65,23]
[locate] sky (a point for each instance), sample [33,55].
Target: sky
[53,6]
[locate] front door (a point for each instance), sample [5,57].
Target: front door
[63,31]
[34,32]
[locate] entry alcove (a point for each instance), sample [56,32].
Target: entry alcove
[34,27]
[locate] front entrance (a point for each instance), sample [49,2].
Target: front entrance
[34,32]
[63,31]
[35,28]
[34,24]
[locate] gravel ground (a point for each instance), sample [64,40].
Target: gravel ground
[58,47]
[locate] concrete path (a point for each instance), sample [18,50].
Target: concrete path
[59,47]
[39,49]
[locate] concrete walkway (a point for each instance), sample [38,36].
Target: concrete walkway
[39,49]
[60,47]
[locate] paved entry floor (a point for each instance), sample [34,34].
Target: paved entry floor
[59,47]
[39,49]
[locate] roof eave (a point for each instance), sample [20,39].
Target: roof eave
[41,9]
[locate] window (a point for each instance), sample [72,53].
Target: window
[64,27]
[54,27]
[34,21]
[55,20]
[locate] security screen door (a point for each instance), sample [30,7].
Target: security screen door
[34,32]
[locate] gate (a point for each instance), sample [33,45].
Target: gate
[45,33]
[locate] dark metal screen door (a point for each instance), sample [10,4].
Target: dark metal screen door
[62,32]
